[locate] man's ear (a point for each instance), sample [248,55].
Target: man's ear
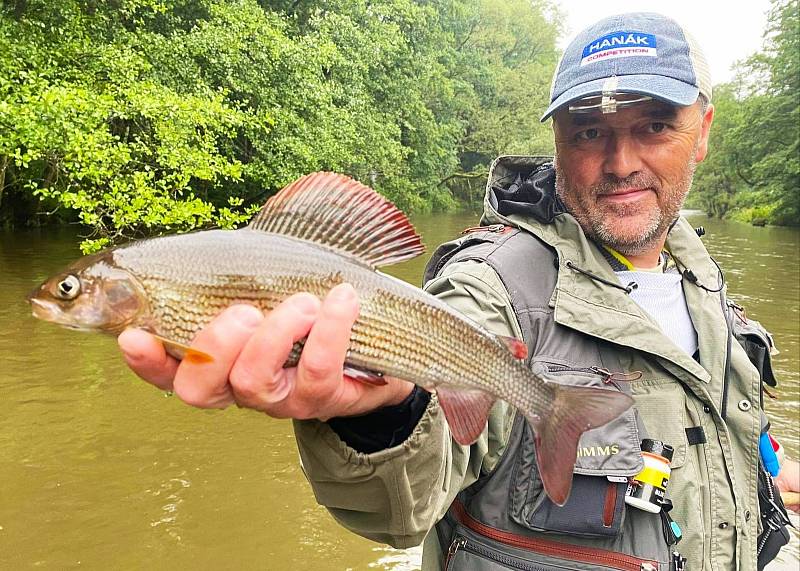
[705,129]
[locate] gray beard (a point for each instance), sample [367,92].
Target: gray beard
[595,226]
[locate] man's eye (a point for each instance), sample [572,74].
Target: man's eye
[657,127]
[587,135]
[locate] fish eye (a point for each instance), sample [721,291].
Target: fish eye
[68,288]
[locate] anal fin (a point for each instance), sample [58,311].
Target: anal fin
[466,412]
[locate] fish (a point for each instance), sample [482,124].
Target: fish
[319,231]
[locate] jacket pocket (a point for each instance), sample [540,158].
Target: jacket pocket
[607,457]
[608,450]
[478,547]
[664,399]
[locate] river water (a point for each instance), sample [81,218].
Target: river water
[100,471]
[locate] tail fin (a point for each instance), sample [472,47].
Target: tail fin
[574,411]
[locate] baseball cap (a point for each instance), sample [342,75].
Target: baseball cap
[637,53]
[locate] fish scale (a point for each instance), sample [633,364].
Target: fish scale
[322,230]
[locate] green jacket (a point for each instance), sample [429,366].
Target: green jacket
[397,495]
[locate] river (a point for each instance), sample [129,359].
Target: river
[100,471]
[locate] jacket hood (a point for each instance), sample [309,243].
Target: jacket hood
[523,186]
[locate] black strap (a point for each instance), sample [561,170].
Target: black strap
[696,435]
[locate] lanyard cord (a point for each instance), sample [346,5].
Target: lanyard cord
[627,289]
[690,276]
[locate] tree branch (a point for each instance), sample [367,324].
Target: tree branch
[463,175]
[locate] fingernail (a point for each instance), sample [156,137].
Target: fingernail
[342,293]
[246,315]
[305,303]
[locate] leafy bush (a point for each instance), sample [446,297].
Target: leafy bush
[136,117]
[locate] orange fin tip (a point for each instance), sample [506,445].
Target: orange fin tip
[184,352]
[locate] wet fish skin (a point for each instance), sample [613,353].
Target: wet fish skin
[182,282]
[401,331]
[173,286]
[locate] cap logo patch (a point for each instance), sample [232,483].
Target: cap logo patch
[619,44]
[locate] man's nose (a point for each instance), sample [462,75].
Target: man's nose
[622,156]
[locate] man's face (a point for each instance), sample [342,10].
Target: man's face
[624,175]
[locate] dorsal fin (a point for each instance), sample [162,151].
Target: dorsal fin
[341,213]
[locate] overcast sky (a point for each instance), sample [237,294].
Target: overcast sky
[726,31]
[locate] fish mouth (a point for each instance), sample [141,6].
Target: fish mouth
[52,313]
[41,309]
[49,311]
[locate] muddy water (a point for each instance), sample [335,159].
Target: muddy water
[99,471]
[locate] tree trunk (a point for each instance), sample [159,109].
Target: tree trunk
[3,166]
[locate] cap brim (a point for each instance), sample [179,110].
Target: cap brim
[658,86]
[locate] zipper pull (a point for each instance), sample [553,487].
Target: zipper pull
[617,376]
[454,547]
[491,228]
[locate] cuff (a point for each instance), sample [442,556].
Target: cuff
[384,428]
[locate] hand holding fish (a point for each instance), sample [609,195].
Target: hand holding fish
[201,296]
[250,350]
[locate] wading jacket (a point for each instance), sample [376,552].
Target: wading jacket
[519,278]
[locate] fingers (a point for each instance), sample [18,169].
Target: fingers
[146,356]
[205,385]
[258,379]
[320,369]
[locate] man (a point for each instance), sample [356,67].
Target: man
[595,270]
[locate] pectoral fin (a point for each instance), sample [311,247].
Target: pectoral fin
[184,352]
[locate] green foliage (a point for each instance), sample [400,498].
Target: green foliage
[135,117]
[753,173]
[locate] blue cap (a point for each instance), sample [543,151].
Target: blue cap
[640,53]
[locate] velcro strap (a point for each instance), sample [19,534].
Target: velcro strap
[696,435]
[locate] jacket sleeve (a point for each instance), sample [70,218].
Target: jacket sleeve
[397,494]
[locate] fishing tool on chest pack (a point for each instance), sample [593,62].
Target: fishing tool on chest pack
[648,488]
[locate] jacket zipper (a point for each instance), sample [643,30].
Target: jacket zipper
[608,376]
[558,368]
[770,529]
[618,561]
[490,228]
[462,543]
